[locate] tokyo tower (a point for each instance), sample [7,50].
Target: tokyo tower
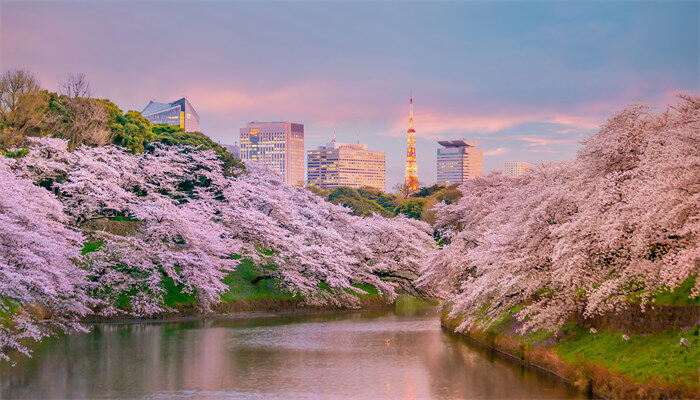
[411,176]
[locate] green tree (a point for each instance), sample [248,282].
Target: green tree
[386,201]
[426,191]
[412,208]
[130,130]
[350,197]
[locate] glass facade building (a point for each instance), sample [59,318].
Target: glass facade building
[179,112]
[346,164]
[458,160]
[279,145]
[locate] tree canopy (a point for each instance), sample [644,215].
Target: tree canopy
[607,230]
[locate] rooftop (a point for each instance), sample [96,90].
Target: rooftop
[154,107]
[458,143]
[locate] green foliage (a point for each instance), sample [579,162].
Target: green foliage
[386,201]
[412,208]
[164,129]
[426,191]
[360,205]
[130,130]
[90,247]
[15,154]
[449,195]
[654,358]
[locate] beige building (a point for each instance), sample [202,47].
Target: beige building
[279,145]
[346,164]
[516,168]
[458,160]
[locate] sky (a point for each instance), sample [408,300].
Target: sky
[528,80]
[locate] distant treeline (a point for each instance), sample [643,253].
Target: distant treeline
[366,201]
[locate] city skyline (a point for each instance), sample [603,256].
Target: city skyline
[527,80]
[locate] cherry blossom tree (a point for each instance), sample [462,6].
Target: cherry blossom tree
[193,222]
[37,270]
[578,237]
[316,243]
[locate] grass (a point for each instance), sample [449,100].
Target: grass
[681,295]
[653,358]
[656,358]
[372,291]
[175,296]
[90,247]
[123,218]
[7,311]
[241,286]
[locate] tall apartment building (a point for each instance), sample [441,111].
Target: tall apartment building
[279,145]
[346,164]
[516,168]
[179,112]
[458,160]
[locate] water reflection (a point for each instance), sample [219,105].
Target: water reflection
[367,354]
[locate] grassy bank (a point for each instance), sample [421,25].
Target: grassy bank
[650,365]
[251,287]
[656,358]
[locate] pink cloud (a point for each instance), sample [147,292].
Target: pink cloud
[434,124]
[497,152]
[544,150]
[541,141]
[322,102]
[327,103]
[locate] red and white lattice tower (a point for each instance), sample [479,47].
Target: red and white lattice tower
[411,176]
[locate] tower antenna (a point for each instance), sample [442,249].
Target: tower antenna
[411,175]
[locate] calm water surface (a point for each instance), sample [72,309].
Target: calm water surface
[365,355]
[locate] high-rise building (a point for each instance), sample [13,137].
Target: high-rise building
[516,168]
[279,145]
[458,160]
[179,112]
[411,174]
[346,164]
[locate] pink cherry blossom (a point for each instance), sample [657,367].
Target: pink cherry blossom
[578,237]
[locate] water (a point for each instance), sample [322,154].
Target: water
[365,354]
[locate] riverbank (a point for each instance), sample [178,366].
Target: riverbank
[241,309]
[600,362]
